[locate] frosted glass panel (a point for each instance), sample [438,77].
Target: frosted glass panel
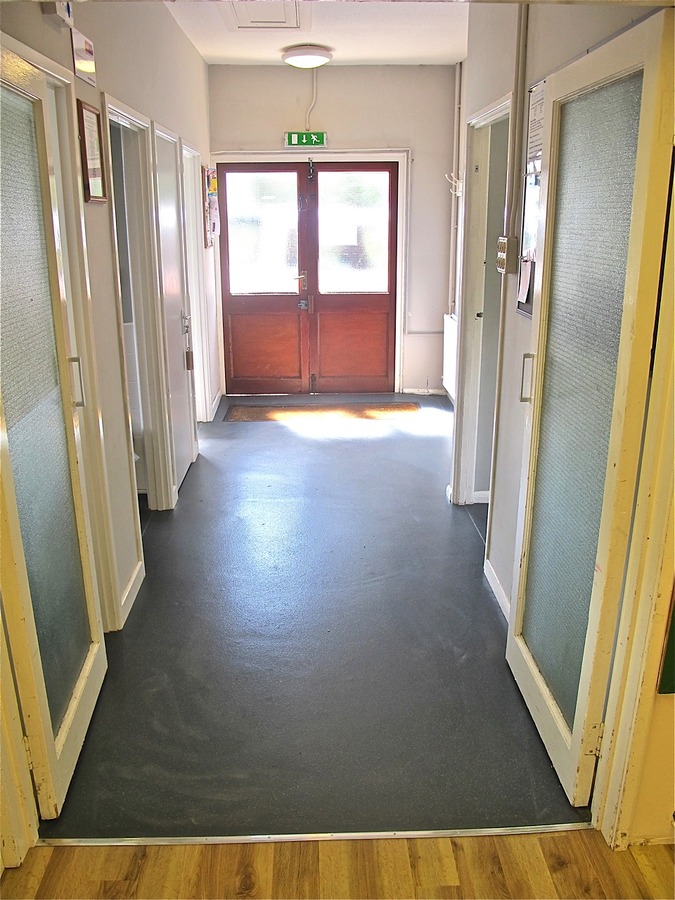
[596,170]
[33,409]
[262,231]
[353,232]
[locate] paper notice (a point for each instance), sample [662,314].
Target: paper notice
[525,280]
[535,131]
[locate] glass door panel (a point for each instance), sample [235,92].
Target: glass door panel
[596,170]
[33,407]
[354,237]
[605,175]
[262,227]
[48,592]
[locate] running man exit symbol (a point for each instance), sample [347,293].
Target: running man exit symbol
[306,139]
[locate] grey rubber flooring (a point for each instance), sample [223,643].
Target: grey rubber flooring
[314,649]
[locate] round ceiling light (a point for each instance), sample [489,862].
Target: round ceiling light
[306,56]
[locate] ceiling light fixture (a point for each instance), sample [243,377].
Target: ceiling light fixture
[306,56]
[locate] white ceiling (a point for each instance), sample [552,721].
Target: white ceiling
[367,33]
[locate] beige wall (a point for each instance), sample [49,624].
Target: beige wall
[142,58]
[145,61]
[655,804]
[364,107]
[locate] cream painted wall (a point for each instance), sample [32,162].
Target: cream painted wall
[364,107]
[488,77]
[557,34]
[144,60]
[655,805]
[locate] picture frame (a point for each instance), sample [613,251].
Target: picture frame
[93,176]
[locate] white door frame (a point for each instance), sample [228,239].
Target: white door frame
[159,132]
[192,268]
[471,303]
[402,157]
[573,751]
[148,316]
[194,256]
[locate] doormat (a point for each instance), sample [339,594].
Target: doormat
[376,411]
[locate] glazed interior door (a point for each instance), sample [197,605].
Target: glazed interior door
[309,276]
[49,597]
[605,180]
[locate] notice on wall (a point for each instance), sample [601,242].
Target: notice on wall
[535,129]
[531,199]
[535,148]
[83,57]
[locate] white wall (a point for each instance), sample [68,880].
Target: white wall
[144,60]
[364,107]
[556,35]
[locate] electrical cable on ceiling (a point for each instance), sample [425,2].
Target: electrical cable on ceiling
[313,103]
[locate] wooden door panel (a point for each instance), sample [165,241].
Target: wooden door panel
[353,351]
[267,352]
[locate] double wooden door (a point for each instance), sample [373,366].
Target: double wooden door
[308,254]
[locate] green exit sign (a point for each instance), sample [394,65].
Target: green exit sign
[306,138]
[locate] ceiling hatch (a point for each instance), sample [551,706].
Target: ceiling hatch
[260,14]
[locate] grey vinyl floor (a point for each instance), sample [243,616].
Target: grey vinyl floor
[314,649]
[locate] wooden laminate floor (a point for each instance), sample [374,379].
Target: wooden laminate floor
[570,864]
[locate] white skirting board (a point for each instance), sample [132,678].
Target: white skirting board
[499,592]
[436,392]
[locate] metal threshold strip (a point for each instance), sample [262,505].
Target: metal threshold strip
[325,836]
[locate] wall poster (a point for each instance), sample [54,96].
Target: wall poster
[535,146]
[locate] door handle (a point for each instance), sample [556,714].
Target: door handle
[75,360]
[302,278]
[528,398]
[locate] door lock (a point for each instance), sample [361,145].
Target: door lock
[303,304]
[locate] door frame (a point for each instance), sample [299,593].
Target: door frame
[402,157]
[642,630]
[115,614]
[471,293]
[160,132]
[151,359]
[194,273]
[640,49]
